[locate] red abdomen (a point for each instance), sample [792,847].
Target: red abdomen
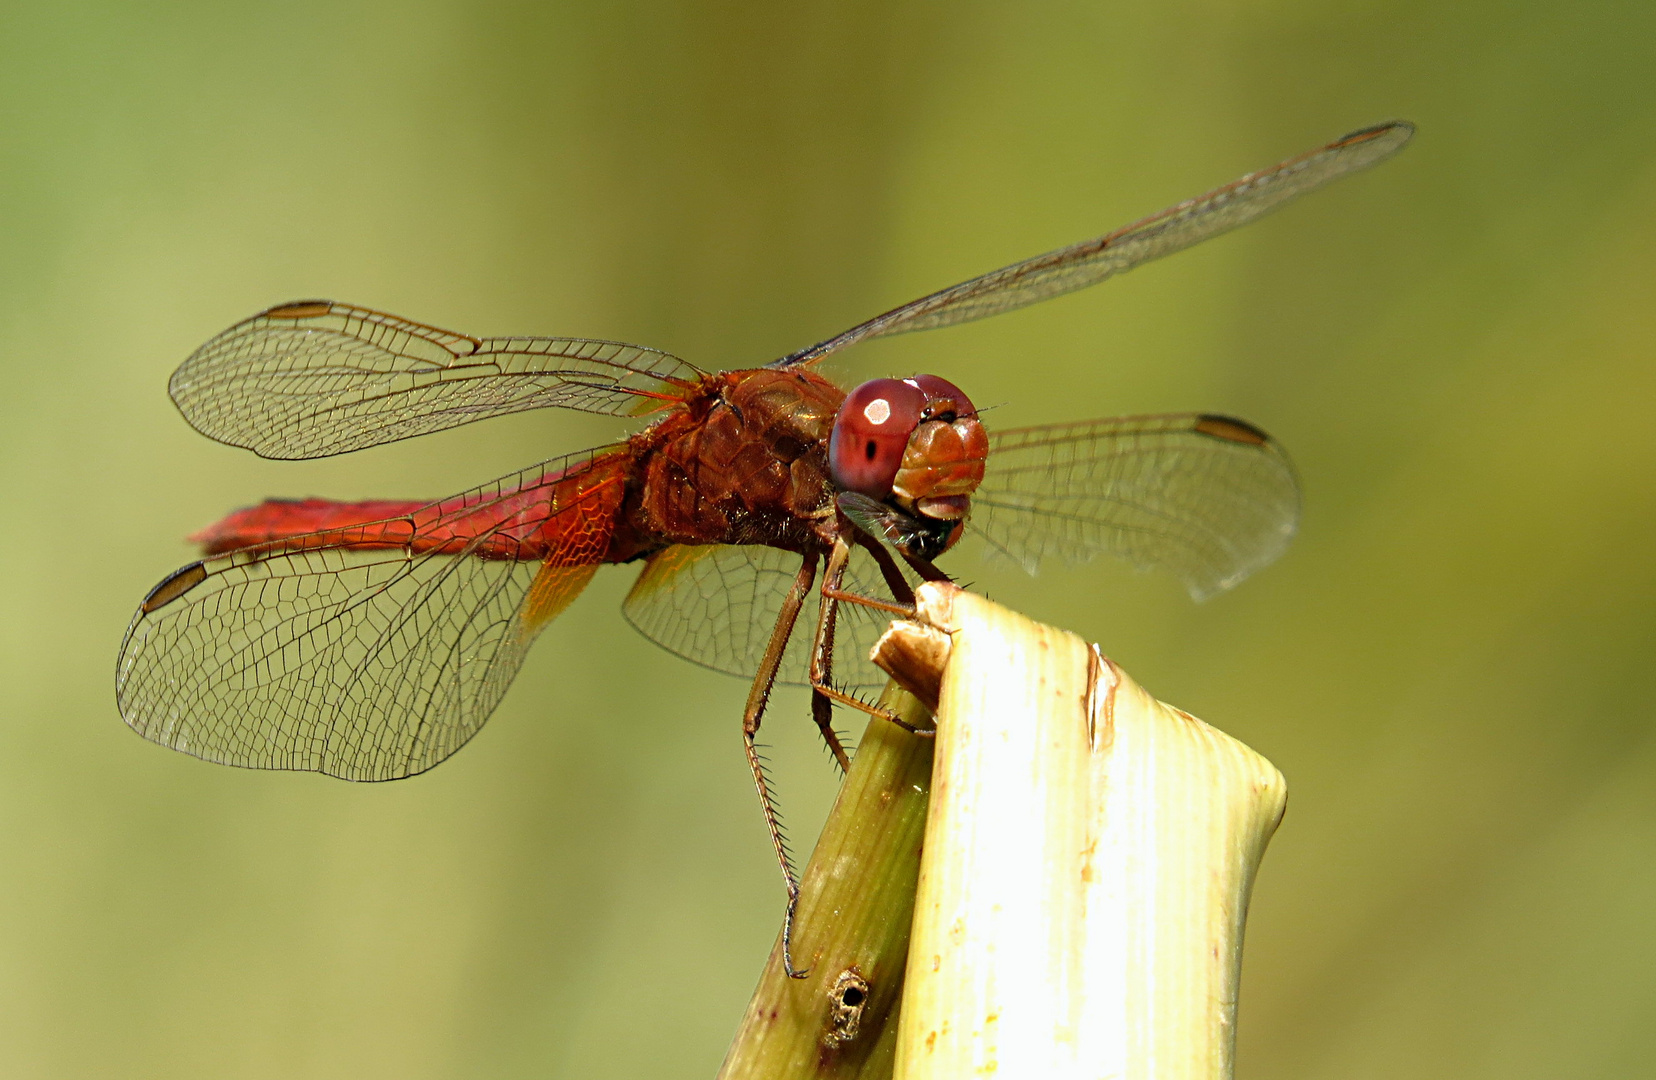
[565,516]
[287,519]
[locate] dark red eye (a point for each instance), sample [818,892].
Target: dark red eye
[870,432]
[942,397]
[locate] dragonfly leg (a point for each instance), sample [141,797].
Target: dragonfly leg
[822,649]
[822,656]
[926,568]
[902,611]
[842,698]
[752,715]
[902,604]
[894,579]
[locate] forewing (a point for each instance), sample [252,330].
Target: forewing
[368,653]
[716,605]
[1091,261]
[1208,497]
[315,378]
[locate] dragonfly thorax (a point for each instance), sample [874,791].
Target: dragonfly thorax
[745,463]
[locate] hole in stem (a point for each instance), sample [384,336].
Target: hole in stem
[846,1000]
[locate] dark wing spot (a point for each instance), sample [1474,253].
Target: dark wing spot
[1231,429]
[174,585]
[870,450]
[304,309]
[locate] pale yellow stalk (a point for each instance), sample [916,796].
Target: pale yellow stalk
[1087,863]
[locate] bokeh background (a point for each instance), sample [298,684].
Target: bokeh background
[1453,665]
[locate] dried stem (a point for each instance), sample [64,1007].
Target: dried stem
[1082,888]
[1088,859]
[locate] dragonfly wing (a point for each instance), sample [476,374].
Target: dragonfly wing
[371,652]
[1091,261]
[315,378]
[1208,497]
[717,604]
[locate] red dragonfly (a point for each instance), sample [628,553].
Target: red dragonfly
[370,640]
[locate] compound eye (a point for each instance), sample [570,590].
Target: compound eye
[870,431]
[942,396]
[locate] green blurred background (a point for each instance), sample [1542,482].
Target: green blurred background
[1453,664]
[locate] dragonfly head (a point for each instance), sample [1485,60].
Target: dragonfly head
[916,445]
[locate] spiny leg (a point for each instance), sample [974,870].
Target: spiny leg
[752,715]
[822,655]
[831,592]
[894,579]
[899,586]
[851,701]
[925,568]
[902,602]
[822,648]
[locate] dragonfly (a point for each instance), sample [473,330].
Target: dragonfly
[370,640]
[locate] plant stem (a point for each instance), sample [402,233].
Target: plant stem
[852,923]
[1087,864]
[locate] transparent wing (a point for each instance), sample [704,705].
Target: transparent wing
[370,652]
[716,605]
[1208,497]
[1092,261]
[315,378]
